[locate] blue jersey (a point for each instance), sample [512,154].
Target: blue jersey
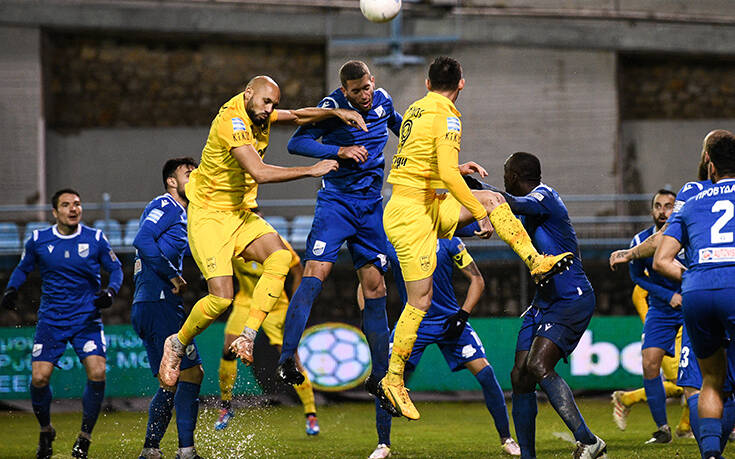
[351,178]
[660,289]
[160,246]
[443,302]
[70,273]
[547,221]
[705,227]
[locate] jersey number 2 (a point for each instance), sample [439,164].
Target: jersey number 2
[717,237]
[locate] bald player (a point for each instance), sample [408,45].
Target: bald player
[222,193]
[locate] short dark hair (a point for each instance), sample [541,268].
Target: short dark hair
[172,164]
[444,74]
[722,155]
[57,195]
[664,192]
[526,165]
[352,70]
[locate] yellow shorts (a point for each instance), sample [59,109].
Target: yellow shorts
[215,236]
[272,326]
[413,220]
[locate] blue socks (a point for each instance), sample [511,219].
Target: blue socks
[495,400]
[375,326]
[525,409]
[561,398]
[94,393]
[298,314]
[728,421]
[382,424]
[159,415]
[656,396]
[186,402]
[710,432]
[693,403]
[41,401]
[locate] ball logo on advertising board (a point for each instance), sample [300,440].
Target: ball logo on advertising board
[336,356]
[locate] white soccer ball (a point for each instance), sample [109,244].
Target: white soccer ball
[380,10]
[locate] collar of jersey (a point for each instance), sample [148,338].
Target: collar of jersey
[62,236]
[175,201]
[726,180]
[444,100]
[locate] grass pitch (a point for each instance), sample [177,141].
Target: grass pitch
[446,430]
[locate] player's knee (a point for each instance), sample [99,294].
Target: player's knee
[520,380]
[373,288]
[193,375]
[537,369]
[278,263]
[215,305]
[40,380]
[490,199]
[96,374]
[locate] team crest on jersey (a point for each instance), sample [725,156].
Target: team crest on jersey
[468,351]
[37,349]
[83,250]
[318,248]
[379,111]
[211,264]
[425,263]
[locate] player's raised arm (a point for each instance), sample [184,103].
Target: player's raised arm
[315,114]
[157,222]
[645,249]
[253,164]
[304,143]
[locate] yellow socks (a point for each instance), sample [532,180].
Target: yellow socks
[204,312]
[512,232]
[672,390]
[634,396]
[227,377]
[684,424]
[269,287]
[403,340]
[306,394]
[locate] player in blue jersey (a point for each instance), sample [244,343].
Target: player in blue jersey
[445,325]
[663,319]
[158,311]
[558,315]
[704,227]
[661,311]
[349,209]
[69,256]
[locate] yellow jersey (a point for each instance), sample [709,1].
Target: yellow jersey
[219,182]
[248,273]
[428,123]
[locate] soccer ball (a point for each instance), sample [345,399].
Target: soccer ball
[336,356]
[380,10]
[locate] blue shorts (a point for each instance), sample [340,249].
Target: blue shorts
[359,222]
[154,321]
[564,323]
[457,352]
[689,374]
[49,342]
[709,316]
[660,329]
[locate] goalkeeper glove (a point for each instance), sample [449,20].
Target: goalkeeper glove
[103,298]
[454,325]
[10,295]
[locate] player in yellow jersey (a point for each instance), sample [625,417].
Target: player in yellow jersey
[247,275]
[220,224]
[416,216]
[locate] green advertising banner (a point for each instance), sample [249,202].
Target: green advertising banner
[128,370]
[608,357]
